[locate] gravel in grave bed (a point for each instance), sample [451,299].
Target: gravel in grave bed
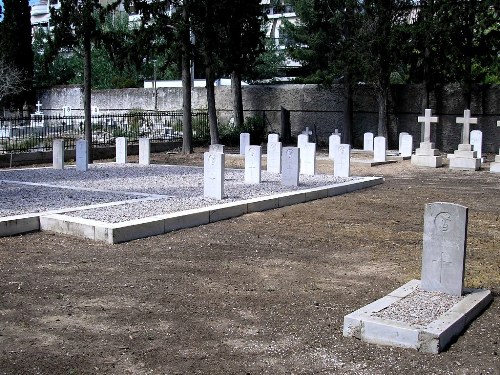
[17,199]
[419,307]
[181,186]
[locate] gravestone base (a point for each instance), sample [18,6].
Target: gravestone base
[429,161]
[398,157]
[371,163]
[432,337]
[459,163]
[495,166]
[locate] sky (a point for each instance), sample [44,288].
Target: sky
[31,3]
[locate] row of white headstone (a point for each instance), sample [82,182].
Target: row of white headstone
[82,163]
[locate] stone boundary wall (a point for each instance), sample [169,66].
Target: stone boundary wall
[315,107]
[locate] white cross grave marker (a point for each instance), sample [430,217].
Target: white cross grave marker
[38,108]
[307,131]
[427,120]
[466,121]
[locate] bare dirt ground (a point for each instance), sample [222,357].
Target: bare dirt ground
[265,293]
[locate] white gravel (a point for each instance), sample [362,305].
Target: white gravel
[419,307]
[170,188]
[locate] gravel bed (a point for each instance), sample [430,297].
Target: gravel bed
[419,307]
[17,199]
[181,186]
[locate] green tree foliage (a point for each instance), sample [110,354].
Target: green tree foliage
[15,46]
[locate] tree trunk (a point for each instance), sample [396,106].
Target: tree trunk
[382,113]
[187,126]
[212,112]
[348,110]
[237,98]
[87,82]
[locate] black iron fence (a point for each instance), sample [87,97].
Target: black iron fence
[37,132]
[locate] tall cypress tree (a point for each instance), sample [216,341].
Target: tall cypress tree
[15,45]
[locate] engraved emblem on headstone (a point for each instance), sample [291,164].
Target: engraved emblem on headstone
[442,221]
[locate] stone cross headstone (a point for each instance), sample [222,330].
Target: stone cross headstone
[253,165]
[308,159]
[466,121]
[427,119]
[307,132]
[333,144]
[144,151]
[213,175]
[82,155]
[274,157]
[273,138]
[244,142]
[379,149]
[121,150]
[401,140]
[476,140]
[58,154]
[216,148]
[406,147]
[368,141]
[290,166]
[38,108]
[443,257]
[342,163]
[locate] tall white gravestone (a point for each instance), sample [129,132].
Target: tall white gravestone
[476,140]
[290,166]
[144,151]
[216,148]
[302,139]
[273,138]
[274,157]
[368,141]
[426,155]
[213,175]
[465,157]
[400,144]
[244,142]
[379,149]
[333,144]
[406,147]
[445,240]
[342,162]
[121,150]
[253,165]
[58,154]
[82,155]
[308,159]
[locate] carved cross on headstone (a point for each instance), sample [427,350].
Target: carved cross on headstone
[336,132]
[307,131]
[38,107]
[427,120]
[466,121]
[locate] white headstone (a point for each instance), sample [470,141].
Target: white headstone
[253,164]
[273,138]
[244,142]
[58,154]
[302,139]
[342,162]
[476,140]
[368,141]
[406,147]
[82,155]
[274,157]
[213,175]
[66,111]
[144,151]
[308,159]
[401,140]
[443,257]
[121,150]
[333,145]
[379,149]
[466,121]
[290,166]
[216,148]
[94,110]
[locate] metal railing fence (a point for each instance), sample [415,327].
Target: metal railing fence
[37,132]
